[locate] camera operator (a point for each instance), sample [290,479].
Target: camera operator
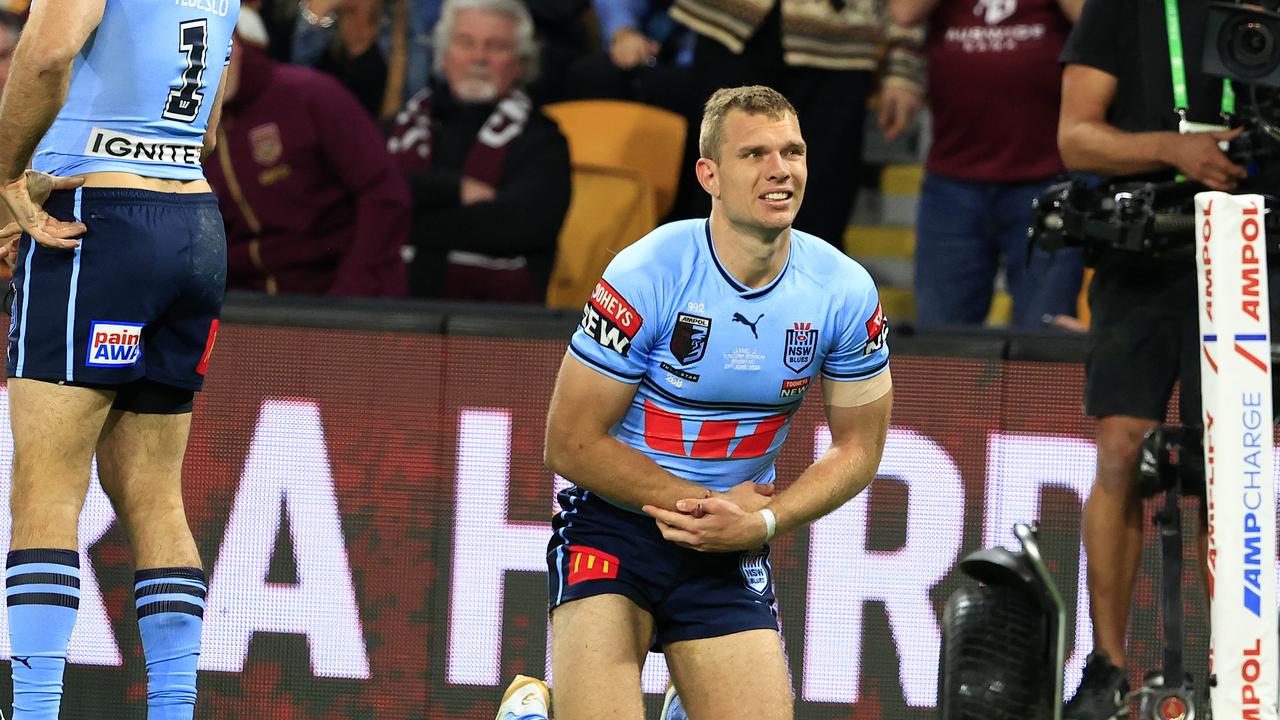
[1135,102]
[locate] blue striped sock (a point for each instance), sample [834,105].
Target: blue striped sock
[170,615]
[42,586]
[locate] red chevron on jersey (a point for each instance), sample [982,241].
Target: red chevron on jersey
[664,432]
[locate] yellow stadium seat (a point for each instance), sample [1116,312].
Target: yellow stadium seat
[614,133]
[611,208]
[626,164]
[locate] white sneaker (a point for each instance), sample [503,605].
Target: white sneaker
[526,698]
[671,707]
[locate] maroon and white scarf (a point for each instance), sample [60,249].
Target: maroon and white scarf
[470,275]
[411,139]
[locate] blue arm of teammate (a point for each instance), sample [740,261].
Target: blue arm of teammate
[584,406]
[37,85]
[35,92]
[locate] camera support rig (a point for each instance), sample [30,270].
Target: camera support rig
[1145,217]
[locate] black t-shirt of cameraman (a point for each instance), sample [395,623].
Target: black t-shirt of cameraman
[1118,115]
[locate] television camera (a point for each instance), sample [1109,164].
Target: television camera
[1242,45]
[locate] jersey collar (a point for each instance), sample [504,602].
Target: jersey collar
[743,291]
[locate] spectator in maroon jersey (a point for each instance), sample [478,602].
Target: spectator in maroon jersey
[994,94]
[313,203]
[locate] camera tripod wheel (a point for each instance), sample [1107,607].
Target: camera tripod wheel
[1158,702]
[995,645]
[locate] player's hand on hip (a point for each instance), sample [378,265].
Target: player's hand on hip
[9,236]
[25,197]
[710,525]
[750,496]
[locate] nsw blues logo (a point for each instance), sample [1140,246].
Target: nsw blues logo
[689,338]
[802,345]
[755,570]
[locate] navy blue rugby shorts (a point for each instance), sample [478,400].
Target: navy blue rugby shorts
[598,548]
[140,297]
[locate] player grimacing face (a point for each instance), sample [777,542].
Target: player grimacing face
[761,174]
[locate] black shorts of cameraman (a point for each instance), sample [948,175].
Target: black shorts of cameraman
[1145,336]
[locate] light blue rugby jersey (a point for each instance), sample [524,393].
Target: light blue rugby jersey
[142,89]
[722,367]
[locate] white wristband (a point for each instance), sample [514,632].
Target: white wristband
[770,523]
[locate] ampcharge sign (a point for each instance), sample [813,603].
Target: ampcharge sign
[1236,370]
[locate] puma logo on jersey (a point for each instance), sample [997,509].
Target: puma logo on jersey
[738,318]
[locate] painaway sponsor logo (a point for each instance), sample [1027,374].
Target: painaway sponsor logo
[114,344]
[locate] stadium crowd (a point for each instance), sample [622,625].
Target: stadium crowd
[384,148]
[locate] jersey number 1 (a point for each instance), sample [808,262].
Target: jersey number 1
[184,101]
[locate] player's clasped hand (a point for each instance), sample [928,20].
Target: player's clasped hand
[725,523]
[750,496]
[25,197]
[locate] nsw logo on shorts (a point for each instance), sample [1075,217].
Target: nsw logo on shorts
[755,570]
[114,344]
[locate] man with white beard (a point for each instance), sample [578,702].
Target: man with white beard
[478,155]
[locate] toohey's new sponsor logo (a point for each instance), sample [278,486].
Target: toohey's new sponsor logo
[114,344]
[610,319]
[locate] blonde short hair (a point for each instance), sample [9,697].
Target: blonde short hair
[751,99]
